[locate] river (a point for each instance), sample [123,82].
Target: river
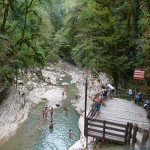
[30,137]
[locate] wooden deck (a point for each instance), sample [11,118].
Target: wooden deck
[120,121]
[123,111]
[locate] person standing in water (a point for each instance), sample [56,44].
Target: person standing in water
[66,86]
[43,114]
[66,109]
[46,106]
[51,124]
[51,111]
[46,111]
[39,123]
[70,132]
[63,93]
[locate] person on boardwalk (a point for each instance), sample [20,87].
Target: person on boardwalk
[51,111]
[66,109]
[51,124]
[104,95]
[112,90]
[70,132]
[98,101]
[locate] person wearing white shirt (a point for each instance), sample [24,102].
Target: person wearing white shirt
[112,90]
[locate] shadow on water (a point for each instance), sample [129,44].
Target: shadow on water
[29,137]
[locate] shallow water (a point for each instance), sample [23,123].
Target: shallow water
[29,137]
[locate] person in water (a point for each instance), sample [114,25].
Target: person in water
[46,106]
[43,113]
[51,111]
[70,132]
[66,109]
[51,124]
[63,93]
[39,123]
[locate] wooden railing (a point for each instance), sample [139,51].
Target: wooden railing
[131,136]
[106,130]
[124,93]
[137,138]
[92,111]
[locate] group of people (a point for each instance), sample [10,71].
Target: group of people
[45,114]
[46,110]
[100,98]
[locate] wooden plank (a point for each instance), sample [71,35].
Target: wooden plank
[125,112]
[115,129]
[95,125]
[138,142]
[108,126]
[148,142]
[135,122]
[117,135]
[126,134]
[96,120]
[129,134]
[135,129]
[104,123]
[144,139]
[123,105]
[116,124]
[95,130]
[109,138]
[140,130]
[121,119]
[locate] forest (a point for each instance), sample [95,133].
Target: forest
[110,36]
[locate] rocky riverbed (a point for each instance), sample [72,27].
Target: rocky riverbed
[14,109]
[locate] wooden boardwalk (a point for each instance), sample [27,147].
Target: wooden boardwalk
[123,111]
[121,121]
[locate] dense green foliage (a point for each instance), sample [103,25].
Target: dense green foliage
[105,35]
[26,37]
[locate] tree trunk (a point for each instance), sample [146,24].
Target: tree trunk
[2,28]
[115,78]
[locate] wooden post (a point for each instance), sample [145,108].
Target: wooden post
[129,136]
[85,125]
[104,123]
[144,139]
[148,142]
[134,95]
[86,142]
[126,134]
[135,129]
